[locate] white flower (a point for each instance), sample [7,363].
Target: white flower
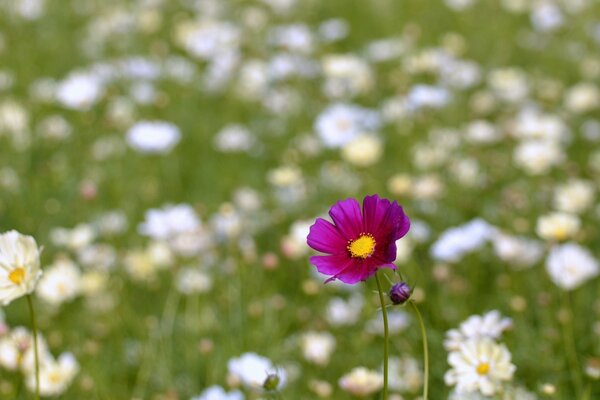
[193,281]
[570,265]
[546,16]
[582,98]
[346,75]
[169,221]
[361,381]
[79,90]
[234,138]
[398,321]
[538,156]
[427,96]
[509,84]
[55,376]
[574,197]
[218,393]
[557,226]
[405,374]
[153,136]
[518,252]
[208,39]
[16,350]
[19,266]
[340,312]
[363,151]
[253,370]
[454,243]
[340,123]
[490,325]
[294,244]
[60,283]
[317,347]
[479,365]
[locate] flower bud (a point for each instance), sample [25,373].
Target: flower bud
[272,382]
[400,293]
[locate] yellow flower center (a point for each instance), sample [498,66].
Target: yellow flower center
[483,368]
[17,275]
[362,247]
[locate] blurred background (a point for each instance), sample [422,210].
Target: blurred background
[170,156]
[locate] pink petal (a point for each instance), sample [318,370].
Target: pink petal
[324,237]
[347,218]
[374,210]
[331,265]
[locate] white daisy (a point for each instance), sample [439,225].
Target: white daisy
[19,266]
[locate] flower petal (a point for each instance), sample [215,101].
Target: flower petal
[374,210]
[331,265]
[324,237]
[347,218]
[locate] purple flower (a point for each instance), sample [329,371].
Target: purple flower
[358,243]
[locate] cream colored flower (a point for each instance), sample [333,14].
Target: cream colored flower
[361,382]
[365,150]
[19,266]
[557,226]
[479,365]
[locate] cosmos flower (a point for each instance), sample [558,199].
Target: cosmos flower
[357,244]
[480,365]
[19,266]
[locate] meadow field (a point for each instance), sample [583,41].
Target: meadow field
[169,158]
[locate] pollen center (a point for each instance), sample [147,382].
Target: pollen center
[483,368]
[362,247]
[17,275]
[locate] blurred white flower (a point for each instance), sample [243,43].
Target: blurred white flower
[253,370]
[517,252]
[218,393]
[153,137]
[61,283]
[55,375]
[570,265]
[557,226]
[363,151]
[234,138]
[479,365]
[169,221]
[454,243]
[20,266]
[536,157]
[340,312]
[575,196]
[398,321]
[582,98]
[546,16]
[489,325]
[317,347]
[192,280]
[80,90]
[340,123]
[361,382]
[346,75]
[509,84]
[405,374]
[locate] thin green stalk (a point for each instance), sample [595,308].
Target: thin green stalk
[385,340]
[425,350]
[35,347]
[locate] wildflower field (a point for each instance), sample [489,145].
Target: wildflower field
[211,199]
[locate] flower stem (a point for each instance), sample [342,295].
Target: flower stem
[35,347]
[425,351]
[385,340]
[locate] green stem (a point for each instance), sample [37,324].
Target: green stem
[386,338]
[425,350]
[35,347]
